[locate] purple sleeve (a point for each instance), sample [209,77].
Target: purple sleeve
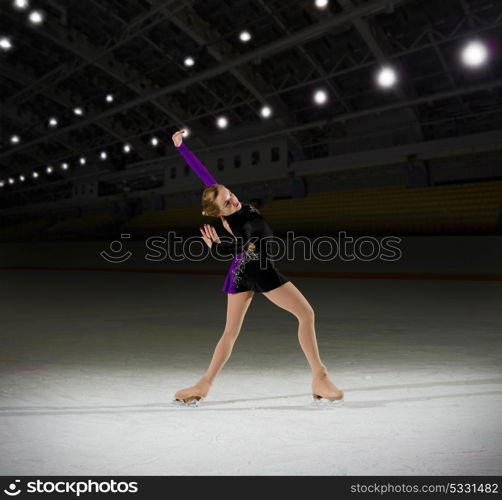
[196,165]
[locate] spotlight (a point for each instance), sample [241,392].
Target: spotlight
[386,77]
[82,160]
[64,166]
[186,132]
[53,122]
[103,155]
[126,148]
[474,54]
[5,44]
[15,139]
[2,183]
[154,141]
[109,98]
[36,17]
[49,169]
[189,61]
[78,111]
[21,4]
[320,4]
[35,175]
[320,97]
[11,180]
[245,36]
[266,111]
[222,122]
[21,178]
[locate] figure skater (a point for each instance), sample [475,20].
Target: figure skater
[250,271]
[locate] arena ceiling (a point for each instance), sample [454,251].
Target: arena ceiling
[136,50]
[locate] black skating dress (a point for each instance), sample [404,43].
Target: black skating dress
[251,268]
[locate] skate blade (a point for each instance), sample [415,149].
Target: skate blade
[324,402]
[191,402]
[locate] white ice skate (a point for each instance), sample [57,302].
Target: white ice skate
[190,402]
[325,402]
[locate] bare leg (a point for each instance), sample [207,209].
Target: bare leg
[288,297]
[237,306]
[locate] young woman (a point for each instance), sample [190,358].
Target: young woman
[251,271]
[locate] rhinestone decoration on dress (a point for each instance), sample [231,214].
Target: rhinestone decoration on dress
[247,256]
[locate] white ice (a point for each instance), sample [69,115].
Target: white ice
[91,360]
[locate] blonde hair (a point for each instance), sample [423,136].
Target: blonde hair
[209,195]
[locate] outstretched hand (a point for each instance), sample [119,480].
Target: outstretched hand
[209,235]
[178,137]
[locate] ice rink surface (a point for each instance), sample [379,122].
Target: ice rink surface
[90,362]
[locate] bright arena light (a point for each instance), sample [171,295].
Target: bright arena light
[49,169]
[189,61]
[222,122]
[21,4]
[320,97]
[245,36]
[78,111]
[103,155]
[5,43]
[35,175]
[14,139]
[11,180]
[154,141]
[109,98]
[321,4]
[2,183]
[386,77]
[126,148]
[21,178]
[474,54]
[186,132]
[82,160]
[266,111]
[64,166]
[36,17]
[53,122]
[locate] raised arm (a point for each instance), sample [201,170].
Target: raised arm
[196,165]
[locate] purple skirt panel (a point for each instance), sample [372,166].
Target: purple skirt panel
[229,285]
